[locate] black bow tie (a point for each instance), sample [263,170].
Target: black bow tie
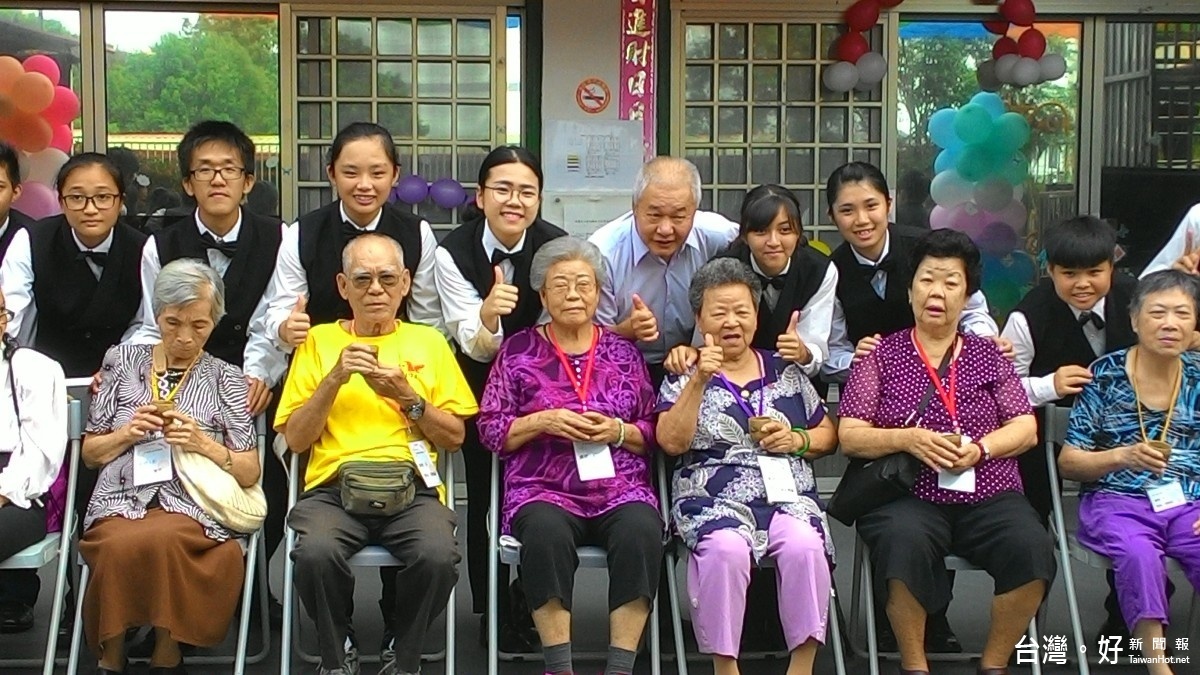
[97,257]
[886,264]
[774,282]
[350,230]
[228,248]
[1094,318]
[498,256]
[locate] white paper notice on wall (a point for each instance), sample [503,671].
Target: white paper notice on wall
[589,155]
[584,214]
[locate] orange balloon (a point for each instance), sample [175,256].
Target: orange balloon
[6,106]
[32,92]
[27,132]
[10,70]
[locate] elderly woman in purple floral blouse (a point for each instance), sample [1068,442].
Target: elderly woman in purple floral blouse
[569,409]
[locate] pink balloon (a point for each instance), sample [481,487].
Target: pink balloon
[63,108]
[63,138]
[37,201]
[40,63]
[966,218]
[1014,215]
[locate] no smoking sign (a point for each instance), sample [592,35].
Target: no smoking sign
[593,95]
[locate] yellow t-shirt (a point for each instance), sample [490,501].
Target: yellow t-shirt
[363,425]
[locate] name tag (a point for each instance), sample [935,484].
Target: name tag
[152,462]
[1166,496]
[778,479]
[424,462]
[593,461]
[958,482]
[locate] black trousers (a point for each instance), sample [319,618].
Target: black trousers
[631,534]
[421,536]
[20,528]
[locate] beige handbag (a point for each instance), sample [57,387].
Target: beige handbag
[218,493]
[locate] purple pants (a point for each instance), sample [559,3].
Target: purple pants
[719,574]
[1126,530]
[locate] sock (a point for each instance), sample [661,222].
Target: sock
[558,659]
[620,661]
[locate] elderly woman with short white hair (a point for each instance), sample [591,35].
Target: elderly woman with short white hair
[156,557]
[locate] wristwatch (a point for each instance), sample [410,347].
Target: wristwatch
[984,455]
[416,410]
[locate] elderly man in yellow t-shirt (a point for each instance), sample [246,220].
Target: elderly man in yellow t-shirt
[373,389]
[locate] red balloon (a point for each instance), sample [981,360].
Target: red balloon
[1032,44]
[1019,12]
[63,139]
[862,15]
[64,107]
[850,47]
[40,63]
[1004,45]
[996,26]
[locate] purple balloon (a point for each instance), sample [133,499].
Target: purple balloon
[411,189]
[37,201]
[997,239]
[447,193]
[966,218]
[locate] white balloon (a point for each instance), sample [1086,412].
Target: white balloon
[949,189]
[42,167]
[1052,66]
[993,194]
[986,76]
[1026,72]
[1004,67]
[871,68]
[841,76]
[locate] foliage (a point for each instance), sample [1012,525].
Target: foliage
[31,19]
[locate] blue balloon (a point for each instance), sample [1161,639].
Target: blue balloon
[947,159]
[990,102]
[941,128]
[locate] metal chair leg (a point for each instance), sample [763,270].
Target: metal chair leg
[681,666]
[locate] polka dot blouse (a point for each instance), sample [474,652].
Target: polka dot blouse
[885,389]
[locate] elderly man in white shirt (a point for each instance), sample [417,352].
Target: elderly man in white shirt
[651,254]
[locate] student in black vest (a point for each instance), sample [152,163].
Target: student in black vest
[483,278]
[11,220]
[1058,329]
[216,163]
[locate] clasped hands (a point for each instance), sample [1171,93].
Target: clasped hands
[591,427]
[938,452]
[177,428]
[387,381]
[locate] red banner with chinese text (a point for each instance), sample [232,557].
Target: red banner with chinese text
[638,67]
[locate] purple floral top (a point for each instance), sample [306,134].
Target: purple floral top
[886,387]
[528,377]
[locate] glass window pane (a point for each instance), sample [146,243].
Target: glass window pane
[698,41]
[348,113]
[398,118]
[474,38]
[731,125]
[312,199]
[433,37]
[799,127]
[312,36]
[394,79]
[833,125]
[702,158]
[313,78]
[433,122]
[433,80]
[474,122]
[474,80]
[764,165]
[731,166]
[729,203]
[731,83]
[354,78]
[315,120]
[766,41]
[799,167]
[435,160]
[469,161]
[354,36]
[832,158]
[766,83]
[697,124]
[733,41]
[310,161]
[801,83]
[867,127]
[801,41]
[765,125]
[395,37]
[698,83]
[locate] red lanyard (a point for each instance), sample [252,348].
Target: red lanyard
[947,396]
[581,388]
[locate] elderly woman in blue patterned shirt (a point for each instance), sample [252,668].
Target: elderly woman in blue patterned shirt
[156,557]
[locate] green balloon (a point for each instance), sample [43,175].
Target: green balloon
[974,164]
[973,123]
[1010,132]
[1016,169]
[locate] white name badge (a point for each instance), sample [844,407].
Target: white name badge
[593,461]
[424,462]
[1166,496]
[778,479]
[959,482]
[152,462]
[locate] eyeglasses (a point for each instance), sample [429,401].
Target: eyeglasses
[79,202]
[503,193]
[207,173]
[7,314]
[582,287]
[363,281]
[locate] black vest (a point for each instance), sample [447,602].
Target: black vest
[16,221]
[803,280]
[465,246]
[78,317]
[321,243]
[245,281]
[866,313]
[1058,339]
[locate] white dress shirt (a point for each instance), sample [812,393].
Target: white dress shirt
[262,360]
[816,316]
[16,280]
[461,302]
[662,284]
[290,282]
[1041,389]
[1178,242]
[38,449]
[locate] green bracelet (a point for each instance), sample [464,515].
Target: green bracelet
[807,441]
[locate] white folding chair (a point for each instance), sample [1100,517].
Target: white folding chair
[256,563]
[1068,546]
[55,546]
[370,556]
[590,557]
[672,554]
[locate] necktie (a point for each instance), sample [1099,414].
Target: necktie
[97,257]
[1095,319]
[773,282]
[498,256]
[227,248]
[350,230]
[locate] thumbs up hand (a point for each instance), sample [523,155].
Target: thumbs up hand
[789,344]
[294,330]
[712,358]
[1190,260]
[500,301]
[642,323]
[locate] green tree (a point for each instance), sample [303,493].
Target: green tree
[32,19]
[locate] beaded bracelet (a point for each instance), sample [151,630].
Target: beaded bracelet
[807,441]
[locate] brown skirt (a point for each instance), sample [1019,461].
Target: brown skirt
[159,571]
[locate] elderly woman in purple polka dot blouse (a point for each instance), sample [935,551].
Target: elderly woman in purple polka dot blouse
[954,403]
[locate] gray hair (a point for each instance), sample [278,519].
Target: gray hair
[187,280]
[667,170]
[1165,280]
[347,252]
[563,249]
[722,272]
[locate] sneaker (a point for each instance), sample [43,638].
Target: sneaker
[390,668]
[15,617]
[387,653]
[349,663]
